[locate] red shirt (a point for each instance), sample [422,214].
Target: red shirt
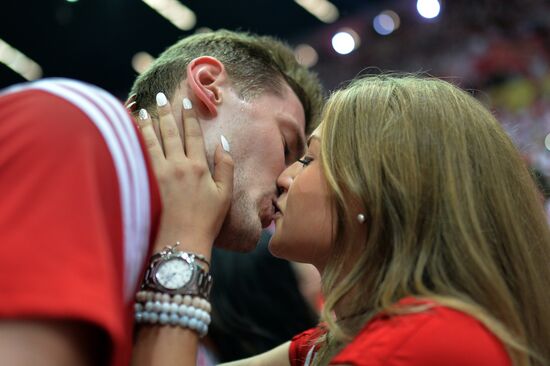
[435,337]
[79,207]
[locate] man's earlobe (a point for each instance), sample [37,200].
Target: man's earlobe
[204,76]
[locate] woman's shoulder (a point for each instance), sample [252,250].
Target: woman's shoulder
[437,335]
[304,345]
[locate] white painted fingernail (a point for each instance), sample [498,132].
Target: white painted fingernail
[161,99]
[225,143]
[187,104]
[143,114]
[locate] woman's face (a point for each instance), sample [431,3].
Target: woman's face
[304,224]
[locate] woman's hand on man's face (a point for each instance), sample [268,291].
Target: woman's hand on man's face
[195,201]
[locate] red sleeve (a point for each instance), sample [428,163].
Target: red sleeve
[62,217]
[303,347]
[439,336]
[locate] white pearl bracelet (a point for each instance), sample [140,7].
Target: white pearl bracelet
[195,301]
[185,311]
[150,317]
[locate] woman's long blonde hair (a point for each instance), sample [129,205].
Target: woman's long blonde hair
[452,212]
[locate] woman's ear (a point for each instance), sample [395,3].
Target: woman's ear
[205,75]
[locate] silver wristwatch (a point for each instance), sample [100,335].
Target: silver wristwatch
[174,272]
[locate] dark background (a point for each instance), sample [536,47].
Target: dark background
[500,50]
[94,40]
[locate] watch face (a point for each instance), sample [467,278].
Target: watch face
[174,273]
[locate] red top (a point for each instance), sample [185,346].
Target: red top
[437,336]
[79,208]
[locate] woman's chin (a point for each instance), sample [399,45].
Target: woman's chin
[274,246]
[271,244]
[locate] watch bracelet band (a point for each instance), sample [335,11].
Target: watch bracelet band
[193,256]
[201,288]
[201,282]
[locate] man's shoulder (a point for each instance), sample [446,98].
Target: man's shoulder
[67,119]
[62,104]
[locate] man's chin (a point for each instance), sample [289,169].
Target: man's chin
[240,240]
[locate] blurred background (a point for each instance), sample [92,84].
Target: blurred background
[497,49]
[500,50]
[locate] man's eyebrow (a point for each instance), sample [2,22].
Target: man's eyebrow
[300,142]
[301,147]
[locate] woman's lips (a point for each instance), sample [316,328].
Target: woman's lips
[277,216]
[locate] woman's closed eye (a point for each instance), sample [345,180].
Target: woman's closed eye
[306,160]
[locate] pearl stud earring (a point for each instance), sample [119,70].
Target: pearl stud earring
[361,218]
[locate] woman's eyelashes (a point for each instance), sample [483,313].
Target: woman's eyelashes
[305,160]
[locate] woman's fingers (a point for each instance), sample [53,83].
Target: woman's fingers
[223,172]
[130,103]
[195,202]
[194,142]
[150,138]
[173,147]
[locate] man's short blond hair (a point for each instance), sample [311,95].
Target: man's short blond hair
[255,64]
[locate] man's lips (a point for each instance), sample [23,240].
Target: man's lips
[277,210]
[270,213]
[266,221]
[266,215]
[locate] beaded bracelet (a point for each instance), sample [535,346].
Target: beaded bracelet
[185,311]
[151,317]
[196,301]
[171,308]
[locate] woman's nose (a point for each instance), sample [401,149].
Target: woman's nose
[284,181]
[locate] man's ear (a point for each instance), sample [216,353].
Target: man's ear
[205,75]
